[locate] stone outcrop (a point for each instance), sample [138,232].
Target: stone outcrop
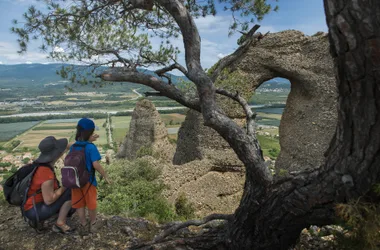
[197,142]
[309,119]
[148,131]
[208,189]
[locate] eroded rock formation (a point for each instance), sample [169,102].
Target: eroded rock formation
[309,119]
[208,189]
[146,131]
[197,142]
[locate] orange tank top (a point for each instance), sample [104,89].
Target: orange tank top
[42,174]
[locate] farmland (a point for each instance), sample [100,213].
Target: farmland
[120,125]
[10,130]
[29,134]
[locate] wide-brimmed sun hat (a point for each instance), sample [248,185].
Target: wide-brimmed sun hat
[51,149]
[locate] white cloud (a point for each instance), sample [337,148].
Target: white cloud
[213,24]
[221,55]
[28,62]
[58,49]
[1,62]
[9,55]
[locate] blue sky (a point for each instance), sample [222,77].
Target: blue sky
[304,15]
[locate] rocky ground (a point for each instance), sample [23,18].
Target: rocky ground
[116,233]
[119,233]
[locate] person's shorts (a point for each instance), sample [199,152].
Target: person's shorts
[84,197]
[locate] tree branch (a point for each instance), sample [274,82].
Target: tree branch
[245,146]
[132,75]
[160,72]
[250,115]
[228,60]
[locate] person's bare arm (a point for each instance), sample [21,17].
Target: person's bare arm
[49,194]
[69,145]
[101,170]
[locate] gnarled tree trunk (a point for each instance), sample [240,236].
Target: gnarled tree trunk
[272,217]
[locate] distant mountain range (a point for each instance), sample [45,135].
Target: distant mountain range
[276,83]
[35,79]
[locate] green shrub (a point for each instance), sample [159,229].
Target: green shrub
[172,140]
[5,164]
[184,209]
[2,199]
[361,219]
[26,160]
[144,151]
[274,152]
[15,143]
[283,172]
[135,191]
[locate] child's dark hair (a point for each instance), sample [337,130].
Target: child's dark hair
[83,135]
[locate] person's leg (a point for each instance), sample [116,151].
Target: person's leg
[79,203]
[82,216]
[63,212]
[45,212]
[91,201]
[92,215]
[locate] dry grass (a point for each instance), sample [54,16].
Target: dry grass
[270,116]
[32,138]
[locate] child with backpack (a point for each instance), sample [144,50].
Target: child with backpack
[86,196]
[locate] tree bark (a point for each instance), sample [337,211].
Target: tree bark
[272,218]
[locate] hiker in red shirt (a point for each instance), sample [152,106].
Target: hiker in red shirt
[45,197]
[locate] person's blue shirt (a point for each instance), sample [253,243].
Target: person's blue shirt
[92,155]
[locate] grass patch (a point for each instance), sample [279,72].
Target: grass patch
[171,120]
[270,146]
[269,115]
[101,132]
[119,134]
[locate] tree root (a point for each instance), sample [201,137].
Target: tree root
[209,239]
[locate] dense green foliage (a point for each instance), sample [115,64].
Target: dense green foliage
[135,191]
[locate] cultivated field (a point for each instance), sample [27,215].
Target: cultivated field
[10,130]
[101,132]
[62,128]
[120,125]
[172,120]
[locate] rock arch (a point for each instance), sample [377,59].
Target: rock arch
[309,119]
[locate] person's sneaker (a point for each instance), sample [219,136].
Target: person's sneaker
[62,228]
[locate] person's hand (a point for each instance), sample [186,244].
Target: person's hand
[108,181]
[93,137]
